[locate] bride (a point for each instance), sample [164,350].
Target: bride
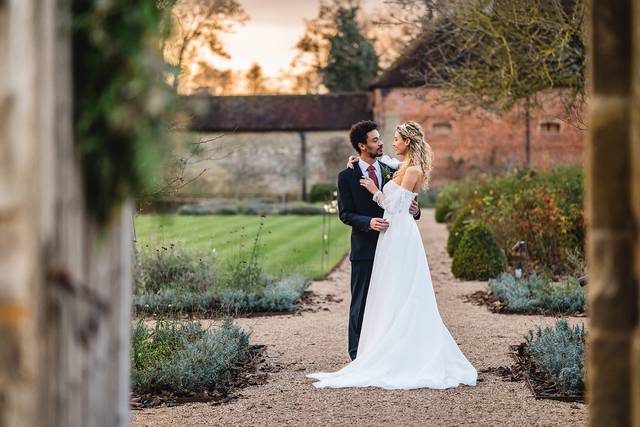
[403,344]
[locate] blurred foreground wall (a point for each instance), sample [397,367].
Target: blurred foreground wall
[64,284]
[613,214]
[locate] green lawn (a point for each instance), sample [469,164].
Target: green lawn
[289,243]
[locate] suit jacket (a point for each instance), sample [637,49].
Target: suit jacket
[356,208]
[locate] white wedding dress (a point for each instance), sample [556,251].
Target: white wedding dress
[403,343]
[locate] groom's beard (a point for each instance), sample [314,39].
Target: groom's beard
[375,154]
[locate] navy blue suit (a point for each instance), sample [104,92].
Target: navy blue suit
[356,208]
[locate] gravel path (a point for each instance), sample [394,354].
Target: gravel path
[317,341]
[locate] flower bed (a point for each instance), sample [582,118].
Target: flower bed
[553,361]
[537,294]
[181,361]
[172,280]
[543,210]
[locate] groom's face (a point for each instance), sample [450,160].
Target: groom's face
[374,145]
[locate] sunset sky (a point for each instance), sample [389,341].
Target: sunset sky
[270,35]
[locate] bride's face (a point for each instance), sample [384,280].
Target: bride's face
[400,144]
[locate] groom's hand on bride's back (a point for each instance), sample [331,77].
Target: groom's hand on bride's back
[352,161]
[378,224]
[413,210]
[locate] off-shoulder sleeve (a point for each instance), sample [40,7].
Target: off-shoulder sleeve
[399,201]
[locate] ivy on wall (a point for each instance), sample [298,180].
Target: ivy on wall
[121,103]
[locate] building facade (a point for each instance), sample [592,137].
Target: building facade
[279,146]
[467,142]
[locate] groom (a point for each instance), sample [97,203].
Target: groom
[357,209]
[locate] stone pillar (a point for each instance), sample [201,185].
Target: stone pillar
[20,57]
[65,282]
[635,205]
[611,231]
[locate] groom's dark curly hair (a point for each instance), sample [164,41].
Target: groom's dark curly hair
[359,131]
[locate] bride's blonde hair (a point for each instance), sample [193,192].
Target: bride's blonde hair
[420,153]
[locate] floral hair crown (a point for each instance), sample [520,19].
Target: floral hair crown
[404,128]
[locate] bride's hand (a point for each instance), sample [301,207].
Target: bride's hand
[368,183]
[352,161]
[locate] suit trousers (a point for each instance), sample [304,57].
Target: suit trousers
[360,278]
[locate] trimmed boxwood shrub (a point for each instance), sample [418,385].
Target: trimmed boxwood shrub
[301,208]
[444,205]
[460,223]
[478,256]
[322,192]
[256,207]
[543,209]
[427,198]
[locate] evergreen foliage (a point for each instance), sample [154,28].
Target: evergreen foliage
[428,198]
[478,256]
[456,232]
[120,100]
[446,203]
[545,210]
[249,207]
[322,192]
[301,208]
[352,62]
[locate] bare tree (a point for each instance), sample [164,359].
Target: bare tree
[255,80]
[197,25]
[213,80]
[395,26]
[181,168]
[246,174]
[497,54]
[336,149]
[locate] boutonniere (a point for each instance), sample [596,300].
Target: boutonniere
[387,173]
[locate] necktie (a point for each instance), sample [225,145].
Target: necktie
[372,175]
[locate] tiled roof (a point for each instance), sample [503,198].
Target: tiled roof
[265,113]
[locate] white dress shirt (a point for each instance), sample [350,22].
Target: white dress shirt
[364,166]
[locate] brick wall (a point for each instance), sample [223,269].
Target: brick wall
[269,164]
[478,140]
